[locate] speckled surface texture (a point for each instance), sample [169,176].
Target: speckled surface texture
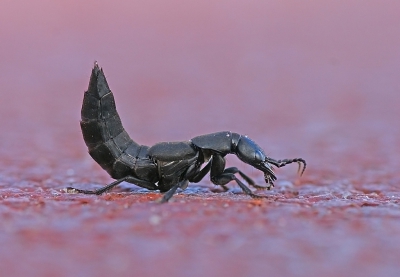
[303,79]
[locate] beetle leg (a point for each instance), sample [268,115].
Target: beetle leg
[200,175]
[280,163]
[225,178]
[224,187]
[221,176]
[246,178]
[167,196]
[129,179]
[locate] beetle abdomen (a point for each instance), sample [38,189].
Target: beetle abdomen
[102,128]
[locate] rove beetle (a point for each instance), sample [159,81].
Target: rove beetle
[165,166]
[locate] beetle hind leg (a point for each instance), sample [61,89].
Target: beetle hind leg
[129,179]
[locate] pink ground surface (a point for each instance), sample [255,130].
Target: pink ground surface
[318,80]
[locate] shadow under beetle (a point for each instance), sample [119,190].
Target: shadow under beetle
[166,166]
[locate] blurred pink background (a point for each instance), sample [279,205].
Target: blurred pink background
[315,79]
[234,65]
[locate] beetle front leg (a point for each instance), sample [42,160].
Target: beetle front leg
[221,176]
[247,178]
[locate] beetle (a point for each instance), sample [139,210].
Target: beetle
[165,166]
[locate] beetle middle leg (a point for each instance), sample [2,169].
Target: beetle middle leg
[200,175]
[129,179]
[167,196]
[221,176]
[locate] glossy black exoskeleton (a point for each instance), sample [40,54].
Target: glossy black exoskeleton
[165,166]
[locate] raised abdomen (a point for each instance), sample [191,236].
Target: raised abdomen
[108,143]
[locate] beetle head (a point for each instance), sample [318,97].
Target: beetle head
[249,152]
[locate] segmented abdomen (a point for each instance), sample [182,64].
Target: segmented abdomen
[109,144]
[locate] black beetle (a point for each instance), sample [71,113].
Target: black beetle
[165,166]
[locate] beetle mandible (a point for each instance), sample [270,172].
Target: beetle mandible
[165,166]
